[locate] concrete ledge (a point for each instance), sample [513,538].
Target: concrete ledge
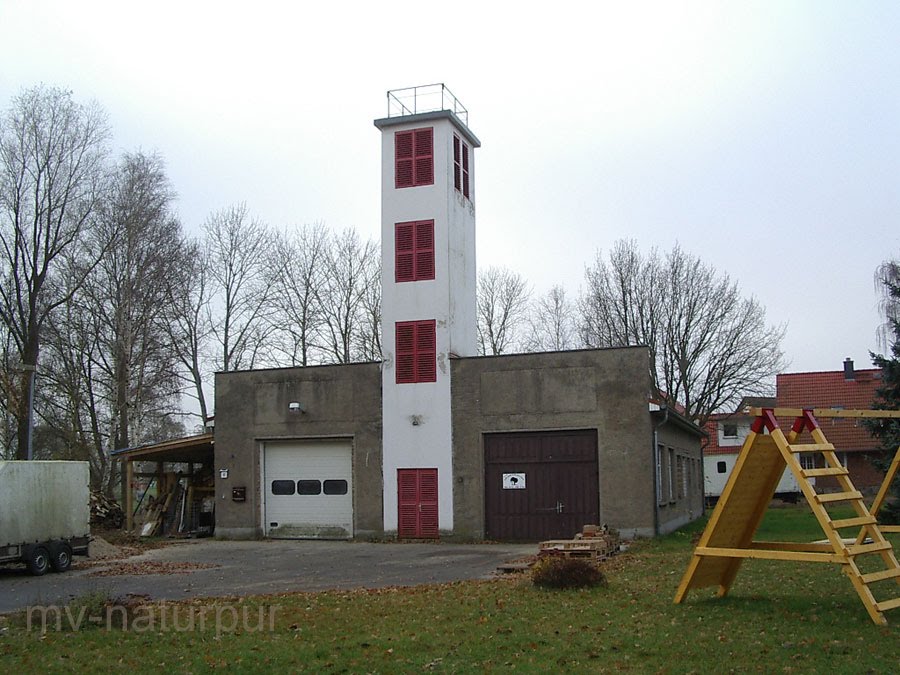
[238,533]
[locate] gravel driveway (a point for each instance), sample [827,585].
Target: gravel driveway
[259,567]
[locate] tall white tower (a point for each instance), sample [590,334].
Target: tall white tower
[428,298]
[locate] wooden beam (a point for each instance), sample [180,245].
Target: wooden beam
[825,412]
[129,495]
[763,554]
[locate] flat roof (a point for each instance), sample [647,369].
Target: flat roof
[196,449]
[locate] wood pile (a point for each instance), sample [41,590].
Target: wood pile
[105,511]
[594,543]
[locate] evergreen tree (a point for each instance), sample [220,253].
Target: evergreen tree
[888,395]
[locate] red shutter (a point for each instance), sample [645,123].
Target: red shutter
[417,501]
[424,142]
[426,352]
[456,164]
[406,352]
[465,169]
[404,159]
[428,503]
[425,250]
[416,351]
[407,502]
[404,252]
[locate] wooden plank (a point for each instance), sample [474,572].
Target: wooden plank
[767,554]
[812,447]
[893,529]
[827,412]
[810,547]
[853,522]
[838,497]
[829,471]
[881,576]
[887,604]
[862,549]
[886,483]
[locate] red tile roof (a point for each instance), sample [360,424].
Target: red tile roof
[831,389]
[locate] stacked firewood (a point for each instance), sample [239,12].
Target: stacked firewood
[105,511]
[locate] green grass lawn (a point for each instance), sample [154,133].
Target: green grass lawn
[779,617]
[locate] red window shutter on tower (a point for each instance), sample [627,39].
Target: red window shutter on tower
[426,352]
[416,352]
[424,156]
[406,352]
[404,258]
[457,172]
[424,250]
[404,159]
[465,170]
[414,251]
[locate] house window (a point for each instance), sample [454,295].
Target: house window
[807,461]
[460,166]
[414,251]
[659,474]
[672,469]
[416,352]
[721,467]
[414,158]
[729,430]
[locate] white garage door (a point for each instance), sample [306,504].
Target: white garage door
[308,490]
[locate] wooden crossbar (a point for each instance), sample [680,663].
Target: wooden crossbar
[825,412]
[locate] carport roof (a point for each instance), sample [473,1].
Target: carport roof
[195,449]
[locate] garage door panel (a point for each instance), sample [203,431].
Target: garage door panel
[320,506]
[561,492]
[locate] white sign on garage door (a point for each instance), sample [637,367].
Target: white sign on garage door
[308,489]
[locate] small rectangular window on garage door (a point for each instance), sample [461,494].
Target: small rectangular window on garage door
[283,487]
[309,487]
[334,487]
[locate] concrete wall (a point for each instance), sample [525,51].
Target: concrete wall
[252,407]
[685,503]
[606,390]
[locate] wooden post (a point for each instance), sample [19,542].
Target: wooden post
[129,495]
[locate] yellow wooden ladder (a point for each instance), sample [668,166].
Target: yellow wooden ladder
[728,537]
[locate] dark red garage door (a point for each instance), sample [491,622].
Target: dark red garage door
[540,485]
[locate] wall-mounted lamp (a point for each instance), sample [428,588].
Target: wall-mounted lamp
[295,407]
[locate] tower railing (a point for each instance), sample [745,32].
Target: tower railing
[425,98]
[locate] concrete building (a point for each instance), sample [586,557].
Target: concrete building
[434,441]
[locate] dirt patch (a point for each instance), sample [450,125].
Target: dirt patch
[100,549]
[150,567]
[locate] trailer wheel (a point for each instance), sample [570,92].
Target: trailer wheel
[38,561]
[60,557]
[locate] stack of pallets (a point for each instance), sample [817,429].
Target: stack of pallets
[593,543]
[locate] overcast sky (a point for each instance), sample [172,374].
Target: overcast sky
[764,136]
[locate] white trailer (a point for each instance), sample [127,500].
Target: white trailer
[44,513]
[717,469]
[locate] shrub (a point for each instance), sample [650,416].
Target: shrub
[558,572]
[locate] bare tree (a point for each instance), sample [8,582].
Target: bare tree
[190,330]
[349,276]
[112,380]
[887,278]
[242,270]
[52,170]
[709,346]
[552,324]
[301,258]
[502,308]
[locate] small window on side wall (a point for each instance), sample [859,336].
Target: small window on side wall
[721,467]
[729,430]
